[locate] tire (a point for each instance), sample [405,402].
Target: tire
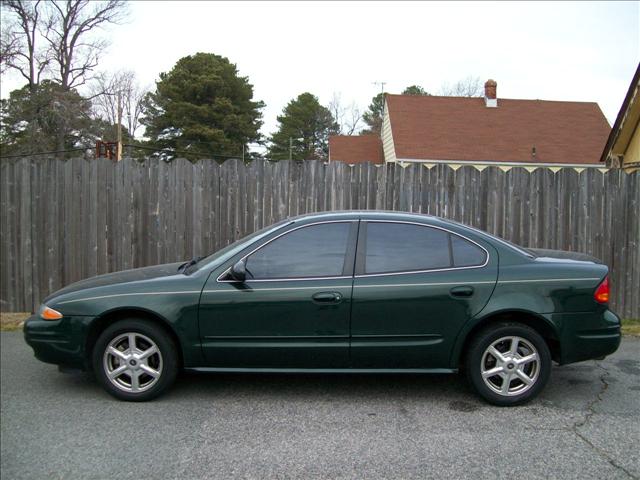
[490,363]
[139,376]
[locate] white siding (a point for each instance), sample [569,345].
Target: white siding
[388,146]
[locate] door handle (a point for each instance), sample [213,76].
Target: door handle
[465,291]
[327,297]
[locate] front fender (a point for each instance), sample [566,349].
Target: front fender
[171,300]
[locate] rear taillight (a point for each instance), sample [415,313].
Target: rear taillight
[602,292]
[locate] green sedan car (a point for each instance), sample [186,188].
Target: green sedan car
[361,292]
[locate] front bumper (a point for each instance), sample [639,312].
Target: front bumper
[586,336]
[61,342]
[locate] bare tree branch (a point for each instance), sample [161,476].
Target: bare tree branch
[347,118]
[38,35]
[105,99]
[467,87]
[20,50]
[69,31]
[9,48]
[354,116]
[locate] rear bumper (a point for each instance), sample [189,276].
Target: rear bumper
[585,336]
[61,342]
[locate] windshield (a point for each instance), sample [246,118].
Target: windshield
[231,249]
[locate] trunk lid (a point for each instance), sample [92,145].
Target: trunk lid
[562,256]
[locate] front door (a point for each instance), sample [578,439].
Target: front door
[293,309]
[415,287]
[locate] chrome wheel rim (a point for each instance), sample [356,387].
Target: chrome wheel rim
[132,362]
[510,366]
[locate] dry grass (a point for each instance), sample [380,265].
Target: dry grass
[631,326]
[12,321]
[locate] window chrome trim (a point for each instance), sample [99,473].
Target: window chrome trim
[486,261]
[291,279]
[550,280]
[473,282]
[434,284]
[336,277]
[274,289]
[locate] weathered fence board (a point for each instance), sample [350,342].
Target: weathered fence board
[62,221]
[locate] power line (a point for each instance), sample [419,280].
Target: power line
[45,153]
[143,147]
[183,152]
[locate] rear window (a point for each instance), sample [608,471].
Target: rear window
[513,246]
[465,253]
[399,247]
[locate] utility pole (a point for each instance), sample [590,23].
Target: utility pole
[382,84]
[119,129]
[291,139]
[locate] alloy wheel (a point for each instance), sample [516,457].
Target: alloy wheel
[510,366]
[132,362]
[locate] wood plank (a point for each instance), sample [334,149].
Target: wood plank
[66,220]
[8,295]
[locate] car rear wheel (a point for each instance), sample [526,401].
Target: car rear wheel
[508,364]
[135,360]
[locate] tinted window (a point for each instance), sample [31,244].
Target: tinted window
[466,254]
[228,251]
[314,251]
[398,247]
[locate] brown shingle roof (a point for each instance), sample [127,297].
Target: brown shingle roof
[459,128]
[355,149]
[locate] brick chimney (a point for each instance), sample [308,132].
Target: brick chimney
[490,93]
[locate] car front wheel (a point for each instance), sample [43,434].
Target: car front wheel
[508,364]
[135,360]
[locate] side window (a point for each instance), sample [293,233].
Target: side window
[313,251]
[399,247]
[465,253]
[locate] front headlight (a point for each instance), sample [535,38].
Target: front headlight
[48,313]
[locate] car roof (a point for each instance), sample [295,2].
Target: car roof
[380,215]
[369,214]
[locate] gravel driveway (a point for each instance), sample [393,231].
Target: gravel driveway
[586,424]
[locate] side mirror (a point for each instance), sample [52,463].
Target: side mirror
[239,272]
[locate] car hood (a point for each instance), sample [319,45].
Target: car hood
[561,256]
[125,276]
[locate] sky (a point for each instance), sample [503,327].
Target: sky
[575,51]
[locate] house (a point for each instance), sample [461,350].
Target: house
[484,131]
[355,149]
[623,146]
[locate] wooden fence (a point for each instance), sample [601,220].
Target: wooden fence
[62,221]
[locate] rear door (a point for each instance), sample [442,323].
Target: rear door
[415,286]
[293,311]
